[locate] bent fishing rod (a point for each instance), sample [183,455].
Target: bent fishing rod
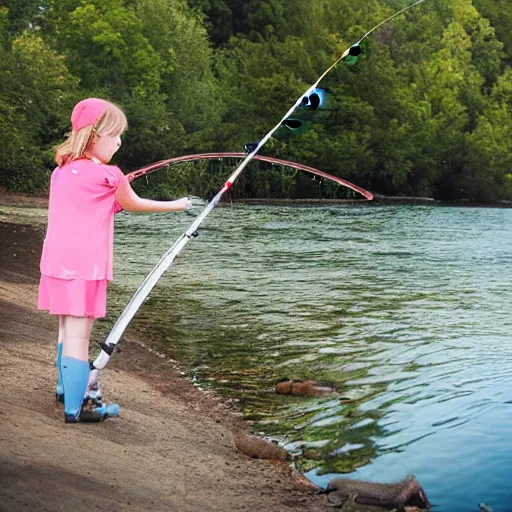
[108,347]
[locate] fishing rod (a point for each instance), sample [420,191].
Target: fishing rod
[109,345]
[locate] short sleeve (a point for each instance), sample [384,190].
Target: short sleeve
[114,176]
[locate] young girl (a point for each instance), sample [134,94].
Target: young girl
[76,262]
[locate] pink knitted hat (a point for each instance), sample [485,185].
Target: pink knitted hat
[87,112]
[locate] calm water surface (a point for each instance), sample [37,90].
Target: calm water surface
[405,309]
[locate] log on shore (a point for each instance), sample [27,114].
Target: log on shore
[258,448]
[360,496]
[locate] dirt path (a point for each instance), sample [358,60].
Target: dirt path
[171,448]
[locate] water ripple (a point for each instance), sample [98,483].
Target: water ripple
[403,309]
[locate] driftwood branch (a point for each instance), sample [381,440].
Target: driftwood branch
[359,495]
[258,448]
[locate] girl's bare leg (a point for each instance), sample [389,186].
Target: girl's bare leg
[76,333]
[61,328]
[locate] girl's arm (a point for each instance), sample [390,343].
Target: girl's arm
[130,201]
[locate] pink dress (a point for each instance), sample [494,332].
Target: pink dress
[76,262]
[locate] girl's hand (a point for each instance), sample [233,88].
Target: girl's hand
[185,204]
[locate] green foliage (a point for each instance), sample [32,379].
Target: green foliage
[426,112]
[22,14]
[499,15]
[36,93]
[187,79]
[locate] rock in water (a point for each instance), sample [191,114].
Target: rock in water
[298,387]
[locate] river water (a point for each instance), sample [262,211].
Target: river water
[406,309]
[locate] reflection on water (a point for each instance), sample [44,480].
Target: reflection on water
[405,309]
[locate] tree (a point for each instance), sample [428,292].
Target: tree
[22,14]
[36,94]
[187,79]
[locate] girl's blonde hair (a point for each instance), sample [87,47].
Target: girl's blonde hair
[112,122]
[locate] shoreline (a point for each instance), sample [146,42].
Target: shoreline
[41,201]
[172,448]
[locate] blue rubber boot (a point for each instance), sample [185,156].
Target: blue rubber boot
[75,375]
[111,409]
[93,411]
[59,390]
